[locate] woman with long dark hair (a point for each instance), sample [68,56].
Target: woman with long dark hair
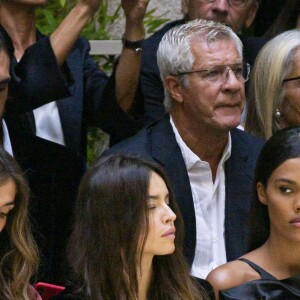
[18,254]
[127,237]
[272,269]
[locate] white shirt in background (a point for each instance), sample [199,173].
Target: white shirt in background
[6,139]
[48,124]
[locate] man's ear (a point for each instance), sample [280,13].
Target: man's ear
[251,15]
[174,88]
[184,7]
[261,192]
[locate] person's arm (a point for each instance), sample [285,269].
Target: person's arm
[127,73]
[39,77]
[128,69]
[227,276]
[64,37]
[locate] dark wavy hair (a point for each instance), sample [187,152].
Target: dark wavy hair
[111,217]
[6,43]
[18,252]
[283,145]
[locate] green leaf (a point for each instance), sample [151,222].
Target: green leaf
[62,3]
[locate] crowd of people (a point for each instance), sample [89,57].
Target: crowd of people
[197,197]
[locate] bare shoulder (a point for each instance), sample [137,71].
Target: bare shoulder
[230,275]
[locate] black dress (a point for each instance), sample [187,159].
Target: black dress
[68,293]
[266,288]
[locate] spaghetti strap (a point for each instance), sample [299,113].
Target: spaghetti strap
[264,274]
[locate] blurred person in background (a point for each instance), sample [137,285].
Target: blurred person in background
[274,91]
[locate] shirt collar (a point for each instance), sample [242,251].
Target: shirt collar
[189,157]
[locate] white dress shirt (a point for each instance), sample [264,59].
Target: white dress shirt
[6,139]
[48,124]
[209,205]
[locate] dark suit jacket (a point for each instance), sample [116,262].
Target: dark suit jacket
[85,94]
[53,173]
[157,143]
[151,86]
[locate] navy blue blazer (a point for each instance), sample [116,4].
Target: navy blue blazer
[157,143]
[53,173]
[86,97]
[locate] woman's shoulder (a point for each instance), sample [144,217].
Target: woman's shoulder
[231,274]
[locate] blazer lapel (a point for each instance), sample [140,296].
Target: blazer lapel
[166,151]
[239,187]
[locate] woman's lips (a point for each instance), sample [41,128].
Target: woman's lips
[295,222]
[169,233]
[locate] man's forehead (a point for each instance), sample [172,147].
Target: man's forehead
[212,44]
[216,52]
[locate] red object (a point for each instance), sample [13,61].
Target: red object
[47,290]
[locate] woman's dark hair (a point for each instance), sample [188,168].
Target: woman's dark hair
[111,217]
[283,145]
[286,20]
[18,252]
[6,43]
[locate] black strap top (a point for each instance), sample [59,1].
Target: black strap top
[266,288]
[263,274]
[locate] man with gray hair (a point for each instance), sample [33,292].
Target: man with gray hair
[237,14]
[209,162]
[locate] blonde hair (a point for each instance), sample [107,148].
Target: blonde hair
[273,63]
[18,251]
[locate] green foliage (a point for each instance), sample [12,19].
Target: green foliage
[49,18]
[153,22]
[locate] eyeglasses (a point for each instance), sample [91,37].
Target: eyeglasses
[291,79]
[237,3]
[219,73]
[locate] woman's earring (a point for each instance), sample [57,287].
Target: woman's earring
[277,113]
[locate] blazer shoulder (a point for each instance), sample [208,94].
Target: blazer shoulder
[243,138]
[140,144]
[135,145]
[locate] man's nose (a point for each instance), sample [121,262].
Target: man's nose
[220,7]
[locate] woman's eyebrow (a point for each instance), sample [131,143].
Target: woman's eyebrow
[155,197]
[152,197]
[285,180]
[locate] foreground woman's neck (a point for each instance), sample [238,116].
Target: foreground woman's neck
[285,256]
[144,276]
